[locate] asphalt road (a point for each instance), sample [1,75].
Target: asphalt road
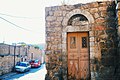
[33,74]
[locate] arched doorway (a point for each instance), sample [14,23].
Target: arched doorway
[76,28]
[78,49]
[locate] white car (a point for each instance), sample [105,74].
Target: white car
[22,67]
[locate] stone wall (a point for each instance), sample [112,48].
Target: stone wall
[35,53]
[118,31]
[54,18]
[7,57]
[102,35]
[7,64]
[22,53]
[6,49]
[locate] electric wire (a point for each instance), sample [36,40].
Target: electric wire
[14,24]
[20,16]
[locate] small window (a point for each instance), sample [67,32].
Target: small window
[72,42]
[84,42]
[76,19]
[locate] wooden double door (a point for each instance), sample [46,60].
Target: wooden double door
[78,56]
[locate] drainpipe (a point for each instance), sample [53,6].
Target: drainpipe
[9,50]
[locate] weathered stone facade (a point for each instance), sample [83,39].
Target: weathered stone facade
[34,53]
[118,31]
[7,64]
[102,28]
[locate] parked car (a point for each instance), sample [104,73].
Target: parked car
[22,67]
[35,63]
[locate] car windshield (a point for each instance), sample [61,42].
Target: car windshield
[22,64]
[34,61]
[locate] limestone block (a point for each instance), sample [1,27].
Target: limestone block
[85,6]
[59,19]
[12,50]
[92,55]
[118,12]
[65,7]
[48,39]
[93,5]
[58,13]
[48,52]
[70,7]
[103,13]
[55,42]
[84,28]
[82,7]
[4,49]
[100,20]
[77,28]
[51,13]
[59,46]
[50,18]
[103,4]
[91,33]
[118,5]
[56,23]
[69,29]
[48,24]
[49,29]
[54,8]
[92,49]
[119,21]
[96,15]
[93,10]
[46,14]
[64,46]
[48,9]
[118,17]
[64,13]
[103,8]
[48,34]
[92,44]
[63,39]
[52,38]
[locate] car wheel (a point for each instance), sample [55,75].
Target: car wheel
[25,70]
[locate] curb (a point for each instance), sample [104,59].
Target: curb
[6,75]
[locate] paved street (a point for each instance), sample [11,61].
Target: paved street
[33,74]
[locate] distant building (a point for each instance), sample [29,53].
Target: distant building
[11,54]
[35,53]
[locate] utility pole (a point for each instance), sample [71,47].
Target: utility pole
[31,55]
[14,55]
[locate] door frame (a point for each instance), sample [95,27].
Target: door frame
[88,49]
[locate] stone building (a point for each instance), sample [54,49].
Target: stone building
[34,53]
[82,41]
[10,55]
[118,31]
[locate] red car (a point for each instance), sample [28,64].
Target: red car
[35,63]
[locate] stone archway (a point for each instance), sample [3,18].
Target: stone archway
[74,29]
[78,11]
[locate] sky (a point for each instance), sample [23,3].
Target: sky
[24,20]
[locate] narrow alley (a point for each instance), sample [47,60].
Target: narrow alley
[33,74]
